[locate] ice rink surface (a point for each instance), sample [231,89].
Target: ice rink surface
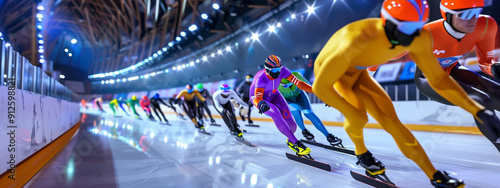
[111,151]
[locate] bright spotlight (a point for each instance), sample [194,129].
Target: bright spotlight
[272,29]
[292,16]
[40,7]
[66,50]
[310,10]
[204,16]
[183,34]
[215,6]
[178,38]
[73,41]
[171,44]
[193,28]
[255,36]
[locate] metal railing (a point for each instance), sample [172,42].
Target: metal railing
[28,77]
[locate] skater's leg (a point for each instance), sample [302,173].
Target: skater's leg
[297,115]
[156,109]
[121,106]
[380,107]
[281,116]
[112,108]
[205,106]
[250,106]
[226,116]
[305,103]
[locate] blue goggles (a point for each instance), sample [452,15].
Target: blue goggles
[274,70]
[406,27]
[249,79]
[189,90]
[287,85]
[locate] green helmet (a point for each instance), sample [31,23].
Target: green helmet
[199,86]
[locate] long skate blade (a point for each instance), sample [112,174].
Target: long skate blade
[252,125]
[214,124]
[244,141]
[339,149]
[317,164]
[371,181]
[204,132]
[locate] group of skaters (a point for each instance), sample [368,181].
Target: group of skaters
[342,81]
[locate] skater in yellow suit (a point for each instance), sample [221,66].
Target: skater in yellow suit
[343,82]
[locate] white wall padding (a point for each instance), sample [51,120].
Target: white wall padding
[39,120]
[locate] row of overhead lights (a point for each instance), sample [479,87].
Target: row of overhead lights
[39,23]
[273,28]
[183,34]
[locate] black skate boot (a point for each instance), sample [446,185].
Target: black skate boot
[249,121]
[308,135]
[334,141]
[374,168]
[200,125]
[243,118]
[443,180]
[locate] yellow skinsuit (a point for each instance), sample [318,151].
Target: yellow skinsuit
[343,82]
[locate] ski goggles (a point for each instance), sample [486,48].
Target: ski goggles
[466,14]
[287,85]
[189,90]
[249,79]
[274,70]
[406,27]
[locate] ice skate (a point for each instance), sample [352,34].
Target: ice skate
[374,168]
[443,180]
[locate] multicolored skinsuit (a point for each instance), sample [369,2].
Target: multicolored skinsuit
[265,88]
[343,82]
[299,100]
[145,106]
[189,104]
[132,104]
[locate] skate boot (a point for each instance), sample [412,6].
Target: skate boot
[308,135]
[374,168]
[443,180]
[249,121]
[212,121]
[200,125]
[300,149]
[334,141]
[238,133]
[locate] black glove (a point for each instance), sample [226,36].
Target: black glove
[177,101]
[495,70]
[263,107]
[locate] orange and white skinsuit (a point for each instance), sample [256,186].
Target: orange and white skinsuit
[449,46]
[343,82]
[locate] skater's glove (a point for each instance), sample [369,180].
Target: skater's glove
[495,71]
[263,107]
[490,120]
[177,101]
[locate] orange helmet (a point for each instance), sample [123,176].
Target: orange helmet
[144,97]
[456,7]
[405,10]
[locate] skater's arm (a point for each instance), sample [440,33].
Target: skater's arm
[486,45]
[442,83]
[197,94]
[299,83]
[238,99]
[259,93]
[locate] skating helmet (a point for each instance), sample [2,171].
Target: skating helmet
[273,66]
[189,88]
[225,88]
[145,97]
[134,97]
[249,78]
[157,96]
[403,19]
[199,86]
[465,9]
